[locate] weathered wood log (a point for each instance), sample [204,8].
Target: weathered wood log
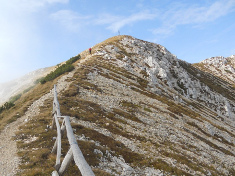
[57,105]
[55,173]
[57,166]
[79,159]
[65,164]
[53,123]
[54,149]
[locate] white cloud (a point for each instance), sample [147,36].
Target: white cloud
[70,19]
[107,19]
[181,14]
[57,1]
[130,20]
[74,21]
[115,23]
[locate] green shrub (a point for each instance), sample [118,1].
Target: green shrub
[28,89]
[67,67]
[38,80]
[59,71]
[15,98]
[6,106]
[73,59]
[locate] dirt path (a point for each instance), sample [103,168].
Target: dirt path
[9,160]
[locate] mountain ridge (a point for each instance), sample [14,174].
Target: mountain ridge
[139,110]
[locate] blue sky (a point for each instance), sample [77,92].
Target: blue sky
[40,33]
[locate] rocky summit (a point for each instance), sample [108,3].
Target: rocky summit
[219,66]
[137,109]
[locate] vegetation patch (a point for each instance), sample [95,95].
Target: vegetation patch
[118,70]
[144,73]
[128,104]
[67,67]
[182,86]
[227,152]
[223,129]
[6,106]
[216,137]
[198,128]
[111,144]
[174,116]
[172,106]
[15,98]
[80,80]
[142,82]
[11,102]
[162,165]
[147,109]
[126,115]
[112,77]
[184,160]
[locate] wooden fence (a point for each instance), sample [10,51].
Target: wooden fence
[74,151]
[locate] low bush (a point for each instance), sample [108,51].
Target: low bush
[59,71]
[73,59]
[67,67]
[15,98]
[6,106]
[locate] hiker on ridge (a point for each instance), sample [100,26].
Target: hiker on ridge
[90,50]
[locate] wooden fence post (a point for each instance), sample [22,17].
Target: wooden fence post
[57,165]
[54,149]
[56,102]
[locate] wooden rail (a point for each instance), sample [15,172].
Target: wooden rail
[74,151]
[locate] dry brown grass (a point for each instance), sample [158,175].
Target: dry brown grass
[111,40]
[21,105]
[211,144]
